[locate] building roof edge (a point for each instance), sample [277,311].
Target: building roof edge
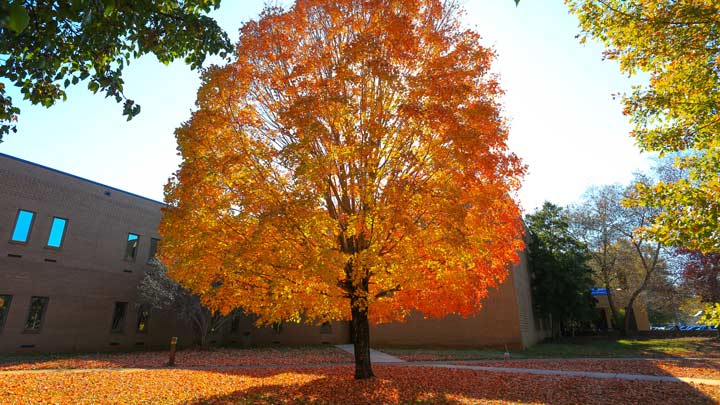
[80,178]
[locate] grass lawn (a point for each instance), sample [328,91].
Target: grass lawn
[675,347]
[259,356]
[705,369]
[393,384]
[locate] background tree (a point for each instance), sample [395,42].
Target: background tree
[161,292]
[668,297]
[351,164]
[701,273]
[47,46]
[622,257]
[647,251]
[595,221]
[561,277]
[711,316]
[675,42]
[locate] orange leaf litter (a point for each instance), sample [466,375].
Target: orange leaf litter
[192,357]
[335,385]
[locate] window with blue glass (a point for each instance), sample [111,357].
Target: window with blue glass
[57,232]
[131,248]
[23,224]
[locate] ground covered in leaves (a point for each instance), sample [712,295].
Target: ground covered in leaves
[222,357]
[709,369]
[334,384]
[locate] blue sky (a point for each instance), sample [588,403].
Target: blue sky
[564,122]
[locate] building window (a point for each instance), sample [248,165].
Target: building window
[23,224]
[57,232]
[4,309]
[118,320]
[132,246]
[153,249]
[235,324]
[38,306]
[326,327]
[142,318]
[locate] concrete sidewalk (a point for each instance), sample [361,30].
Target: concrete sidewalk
[591,374]
[375,356]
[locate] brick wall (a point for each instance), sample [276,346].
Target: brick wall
[89,273]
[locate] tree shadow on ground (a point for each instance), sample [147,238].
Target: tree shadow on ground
[213,356]
[408,384]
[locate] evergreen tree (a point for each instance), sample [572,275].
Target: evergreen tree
[561,277]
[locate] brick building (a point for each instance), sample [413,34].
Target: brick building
[75,251]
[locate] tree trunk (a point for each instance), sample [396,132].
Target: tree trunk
[200,329]
[613,310]
[361,341]
[630,324]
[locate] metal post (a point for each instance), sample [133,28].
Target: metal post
[173,345]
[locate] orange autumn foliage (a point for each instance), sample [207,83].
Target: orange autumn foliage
[354,152]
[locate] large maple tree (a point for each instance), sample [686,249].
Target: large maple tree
[350,164]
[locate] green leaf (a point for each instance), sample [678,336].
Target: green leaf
[109,7]
[18,18]
[105,36]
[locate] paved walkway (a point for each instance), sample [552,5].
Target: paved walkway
[590,374]
[664,358]
[375,356]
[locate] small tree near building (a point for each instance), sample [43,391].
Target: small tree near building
[161,292]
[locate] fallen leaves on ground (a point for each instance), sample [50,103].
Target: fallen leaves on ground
[679,368]
[335,385]
[191,357]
